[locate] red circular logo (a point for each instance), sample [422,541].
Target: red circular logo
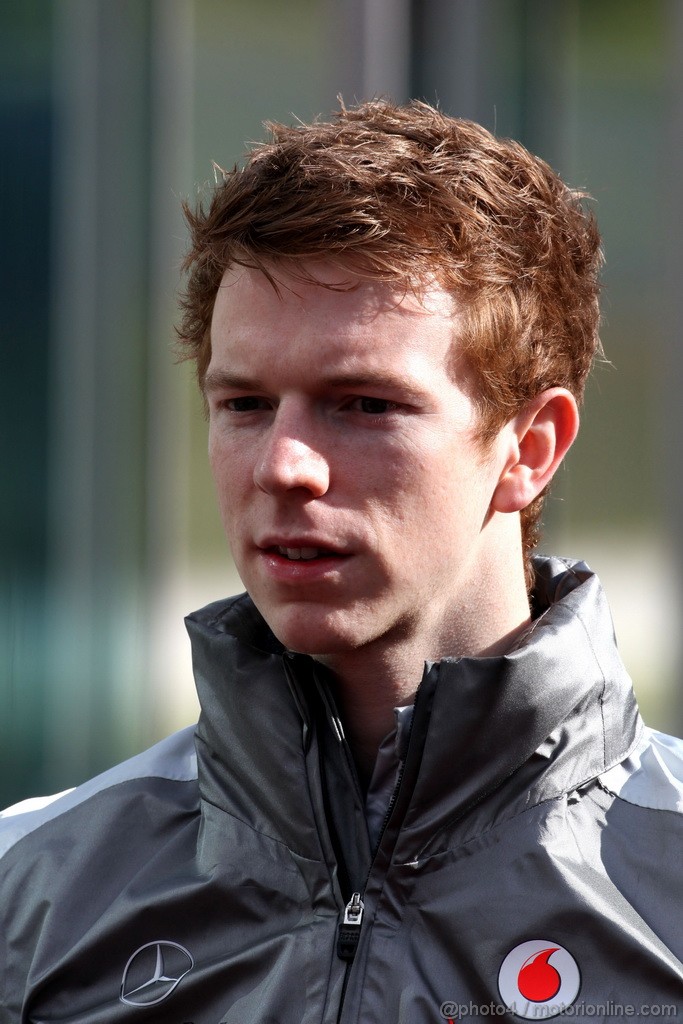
[538,979]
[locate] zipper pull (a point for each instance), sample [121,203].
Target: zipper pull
[349,929]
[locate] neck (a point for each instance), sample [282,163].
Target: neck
[372,680]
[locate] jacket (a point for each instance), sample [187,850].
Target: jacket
[529,862]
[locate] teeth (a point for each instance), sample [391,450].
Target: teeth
[310,552]
[300,553]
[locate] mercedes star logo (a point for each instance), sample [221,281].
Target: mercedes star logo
[153,972]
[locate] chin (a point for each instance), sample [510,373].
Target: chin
[314,631]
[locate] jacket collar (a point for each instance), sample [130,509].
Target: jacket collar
[501,734]
[551,714]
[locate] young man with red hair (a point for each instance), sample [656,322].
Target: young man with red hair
[422,790]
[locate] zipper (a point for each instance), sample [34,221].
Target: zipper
[393,799]
[349,929]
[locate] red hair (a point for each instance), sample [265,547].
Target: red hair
[408,194]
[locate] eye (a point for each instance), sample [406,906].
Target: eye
[374,406]
[245,403]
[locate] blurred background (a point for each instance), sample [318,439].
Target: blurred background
[111,112]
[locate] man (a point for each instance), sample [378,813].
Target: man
[422,789]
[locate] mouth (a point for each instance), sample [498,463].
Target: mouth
[304,554]
[298,560]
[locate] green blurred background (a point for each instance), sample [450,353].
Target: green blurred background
[111,112]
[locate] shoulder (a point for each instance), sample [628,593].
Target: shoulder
[652,775]
[173,760]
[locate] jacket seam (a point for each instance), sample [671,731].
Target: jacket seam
[258,831]
[84,803]
[562,795]
[632,803]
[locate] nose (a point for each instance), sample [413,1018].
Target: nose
[291,459]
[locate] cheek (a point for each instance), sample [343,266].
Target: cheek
[455,490]
[423,481]
[216,455]
[227,455]
[231,477]
[394,494]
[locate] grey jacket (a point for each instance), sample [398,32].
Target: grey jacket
[530,860]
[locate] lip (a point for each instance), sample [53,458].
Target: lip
[281,569]
[270,543]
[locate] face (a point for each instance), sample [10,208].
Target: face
[353,491]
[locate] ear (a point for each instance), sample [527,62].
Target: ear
[537,438]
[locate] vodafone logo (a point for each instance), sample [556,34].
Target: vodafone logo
[538,979]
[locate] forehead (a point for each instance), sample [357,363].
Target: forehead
[331,307]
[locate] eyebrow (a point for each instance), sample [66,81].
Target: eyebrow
[376,379]
[224,380]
